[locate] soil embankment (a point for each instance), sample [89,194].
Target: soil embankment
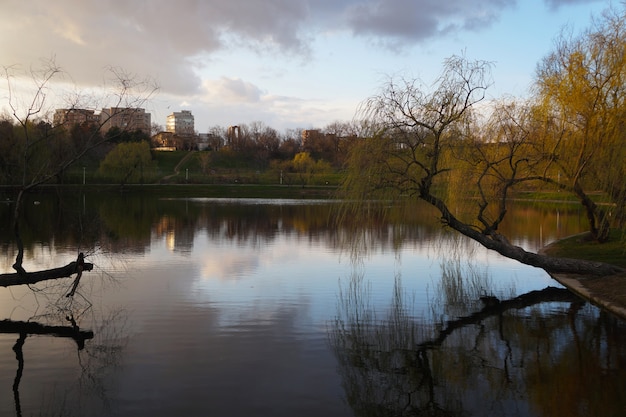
[608,293]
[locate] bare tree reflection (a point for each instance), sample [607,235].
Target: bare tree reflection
[490,360]
[100,358]
[97,354]
[19,355]
[25,329]
[61,307]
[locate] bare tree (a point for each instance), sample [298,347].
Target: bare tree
[37,165]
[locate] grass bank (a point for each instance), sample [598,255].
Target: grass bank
[195,190]
[581,247]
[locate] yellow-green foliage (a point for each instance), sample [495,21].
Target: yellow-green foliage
[127,162]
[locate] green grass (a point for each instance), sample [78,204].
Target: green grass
[218,190]
[580,247]
[544,196]
[167,161]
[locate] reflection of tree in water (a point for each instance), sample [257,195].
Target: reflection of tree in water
[98,351]
[25,329]
[101,357]
[62,309]
[525,355]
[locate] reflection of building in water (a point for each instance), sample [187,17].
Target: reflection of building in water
[178,236]
[170,240]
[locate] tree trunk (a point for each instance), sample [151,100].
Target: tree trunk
[500,244]
[24,278]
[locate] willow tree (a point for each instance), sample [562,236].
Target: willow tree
[127,162]
[423,137]
[581,91]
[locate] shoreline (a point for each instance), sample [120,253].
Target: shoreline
[607,293]
[590,288]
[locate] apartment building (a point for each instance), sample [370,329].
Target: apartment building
[180,123]
[125,118]
[71,117]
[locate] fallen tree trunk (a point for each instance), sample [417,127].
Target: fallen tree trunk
[25,278]
[505,248]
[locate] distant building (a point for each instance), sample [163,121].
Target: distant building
[233,132]
[204,141]
[72,117]
[310,136]
[233,136]
[125,118]
[164,141]
[180,123]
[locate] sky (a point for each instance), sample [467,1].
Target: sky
[286,63]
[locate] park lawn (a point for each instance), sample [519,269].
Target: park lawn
[580,247]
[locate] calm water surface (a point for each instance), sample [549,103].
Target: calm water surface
[255,307]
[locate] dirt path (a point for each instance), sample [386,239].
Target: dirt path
[178,166]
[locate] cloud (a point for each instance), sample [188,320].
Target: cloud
[279,112]
[179,44]
[164,37]
[232,90]
[409,21]
[171,40]
[556,4]
[160,37]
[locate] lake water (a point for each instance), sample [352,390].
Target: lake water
[255,307]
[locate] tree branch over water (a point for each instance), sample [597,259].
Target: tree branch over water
[25,278]
[429,145]
[24,329]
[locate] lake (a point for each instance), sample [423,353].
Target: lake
[254,307]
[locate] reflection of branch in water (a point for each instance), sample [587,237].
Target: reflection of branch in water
[19,355]
[29,328]
[103,354]
[387,366]
[495,307]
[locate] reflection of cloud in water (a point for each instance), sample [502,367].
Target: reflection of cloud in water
[228,263]
[230,266]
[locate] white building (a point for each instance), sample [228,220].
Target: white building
[180,123]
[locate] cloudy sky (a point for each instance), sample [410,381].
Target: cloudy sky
[286,63]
